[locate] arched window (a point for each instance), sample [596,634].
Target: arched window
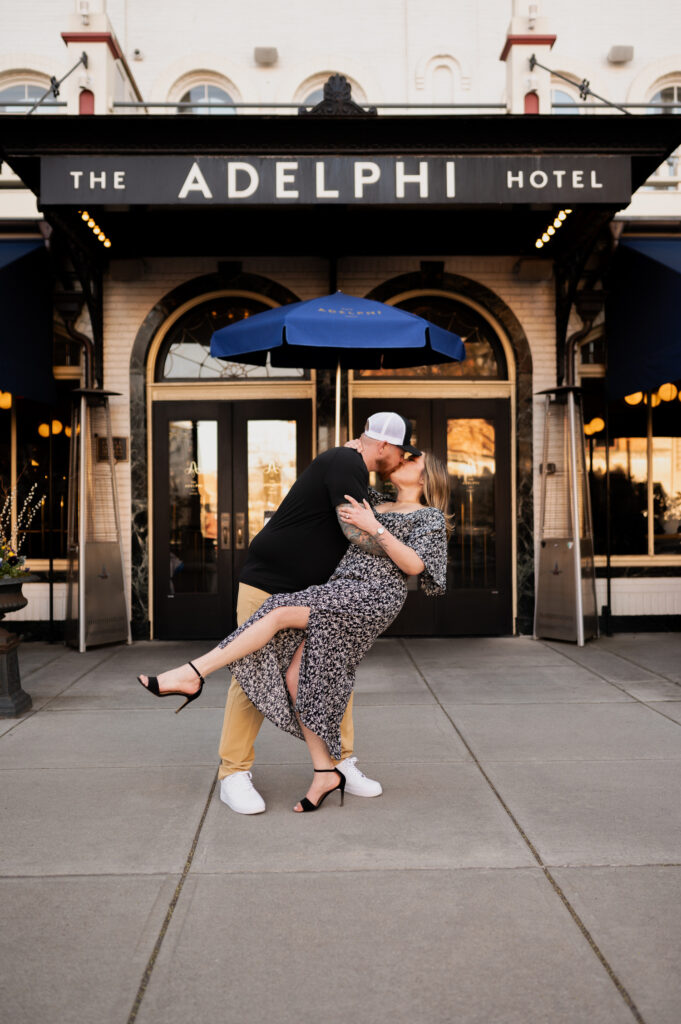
[185,352]
[563,102]
[669,99]
[484,353]
[311,92]
[206,98]
[18,97]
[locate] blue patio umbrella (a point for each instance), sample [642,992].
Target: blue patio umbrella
[337,331]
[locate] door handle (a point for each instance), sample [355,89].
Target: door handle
[240,519]
[226,531]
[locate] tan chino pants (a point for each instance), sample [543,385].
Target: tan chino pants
[242,719]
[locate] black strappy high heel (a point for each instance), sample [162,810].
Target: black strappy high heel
[152,687]
[307,805]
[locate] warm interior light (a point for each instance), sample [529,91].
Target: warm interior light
[67,431]
[539,244]
[557,223]
[550,230]
[562,215]
[44,430]
[654,399]
[588,429]
[57,426]
[101,236]
[96,228]
[568,211]
[91,222]
[545,237]
[5,400]
[597,424]
[107,243]
[634,399]
[668,392]
[85,215]
[34,463]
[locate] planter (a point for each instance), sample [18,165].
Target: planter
[13,700]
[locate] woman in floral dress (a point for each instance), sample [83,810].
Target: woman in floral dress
[296,657]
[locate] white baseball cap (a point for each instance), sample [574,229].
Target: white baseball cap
[392,428]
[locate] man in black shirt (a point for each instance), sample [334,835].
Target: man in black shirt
[301,545]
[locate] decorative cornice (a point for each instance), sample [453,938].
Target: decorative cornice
[95,37]
[531,39]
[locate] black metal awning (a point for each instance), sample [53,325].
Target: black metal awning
[319,228]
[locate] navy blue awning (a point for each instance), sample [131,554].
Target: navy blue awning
[26,321]
[643,316]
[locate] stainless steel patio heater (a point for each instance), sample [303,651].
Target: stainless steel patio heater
[565,607]
[96,603]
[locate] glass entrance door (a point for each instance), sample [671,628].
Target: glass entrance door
[220,470]
[473,437]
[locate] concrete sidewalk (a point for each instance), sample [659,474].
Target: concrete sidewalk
[523,864]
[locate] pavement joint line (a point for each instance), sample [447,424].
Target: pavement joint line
[151,963]
[614,654]
[35,711]
[621,686]
[631,1005]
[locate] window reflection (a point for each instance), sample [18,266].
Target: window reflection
[193,496]
[272,460]
[472,467]
[484,356]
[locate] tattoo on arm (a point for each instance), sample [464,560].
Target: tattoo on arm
[359,537]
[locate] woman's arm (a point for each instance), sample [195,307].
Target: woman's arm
[362,518]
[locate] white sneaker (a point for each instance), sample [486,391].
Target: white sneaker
[239,793]
[356,782]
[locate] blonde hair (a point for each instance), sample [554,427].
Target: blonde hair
[436,487]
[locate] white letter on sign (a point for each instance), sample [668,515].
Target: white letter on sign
[195,182]
[451,182]
[539,179]
[401,179]
[322,192]
[366,173]
[76,175]
[594,182]
[577,179]
[283,177]
[254,180]
[514,179]
[119,179]
[98,179]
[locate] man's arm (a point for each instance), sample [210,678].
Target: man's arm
[359,537]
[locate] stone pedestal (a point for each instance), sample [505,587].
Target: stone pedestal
[13,700]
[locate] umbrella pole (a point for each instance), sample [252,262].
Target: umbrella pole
[338,403]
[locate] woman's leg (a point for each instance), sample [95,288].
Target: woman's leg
[252,639]
[319,753]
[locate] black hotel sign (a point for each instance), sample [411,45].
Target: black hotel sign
[369,180]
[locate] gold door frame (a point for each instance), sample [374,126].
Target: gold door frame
[210,390]
[382,388]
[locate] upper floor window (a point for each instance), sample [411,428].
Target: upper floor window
[563,102]
[311,92]
[19,97]
[206,99]
[669,99]
[667,177]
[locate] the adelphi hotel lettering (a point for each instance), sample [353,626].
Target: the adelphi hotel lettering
[372,180]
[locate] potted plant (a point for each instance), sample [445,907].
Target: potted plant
[13,574]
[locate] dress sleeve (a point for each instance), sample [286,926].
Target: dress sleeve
[428,539]
[378,497]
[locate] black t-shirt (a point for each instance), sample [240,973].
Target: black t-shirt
[303,543]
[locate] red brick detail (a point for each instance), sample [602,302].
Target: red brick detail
[528,40]
[95,37]
[86,102]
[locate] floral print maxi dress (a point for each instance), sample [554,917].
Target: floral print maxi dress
[347,614]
